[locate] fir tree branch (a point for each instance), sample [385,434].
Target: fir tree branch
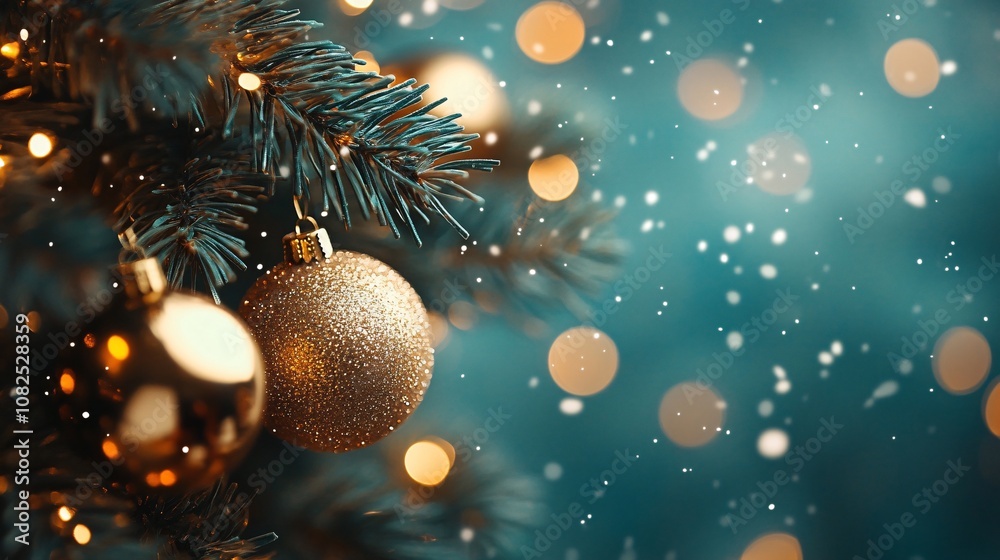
[186,205]
[350,131]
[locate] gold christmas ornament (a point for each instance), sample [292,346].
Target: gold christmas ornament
[346,341]
[165,388]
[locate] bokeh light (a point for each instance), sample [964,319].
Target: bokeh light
[354,7]
[40,145]
[66,513]
[710,90]
[583,361]
[691,415]
[550,32]
[427,462]
[961,360]
[774,546]
[912,68]
[991,408]
[10,50]
[773,443]
[553,178]
[81,534]
[471,89]
[779,164]
[248,81]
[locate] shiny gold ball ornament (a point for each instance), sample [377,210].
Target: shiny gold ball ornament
[165,388]
[346,341]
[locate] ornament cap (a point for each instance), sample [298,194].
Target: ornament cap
[304,247]
[143,278]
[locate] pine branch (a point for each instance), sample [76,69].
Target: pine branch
[486,494]
[186,204]
[564,250]
[347,130]
[570,245]
[123,57]
[53,256]
[358,506]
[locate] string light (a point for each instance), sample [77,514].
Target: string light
[248,81]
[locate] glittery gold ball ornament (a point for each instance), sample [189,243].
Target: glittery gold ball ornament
[164,389]
[346,342]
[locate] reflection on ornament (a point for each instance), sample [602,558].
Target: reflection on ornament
[429,461]
[773,443]
[710,90]
[774,546]
[10,50]
[553,178]
[691,414]
[583,361]
[470,88]
[961,360]
[162,372]
[912,68]
[346,342]
[779,164]
[550,32]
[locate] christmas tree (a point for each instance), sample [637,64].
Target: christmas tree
[147,135]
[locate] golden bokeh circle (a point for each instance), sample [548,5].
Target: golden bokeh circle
[691,415]
[710,89]
[912,68]
[774,546]
[583,361]
[553,178]
[991,408]
[961,360]
[550,32]
[469,87]
[428,462]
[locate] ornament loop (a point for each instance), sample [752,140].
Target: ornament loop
[311,220]
[301,204]
[308,246]
[131,251]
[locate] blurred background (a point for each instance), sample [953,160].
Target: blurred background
[778,346]
[744,140]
